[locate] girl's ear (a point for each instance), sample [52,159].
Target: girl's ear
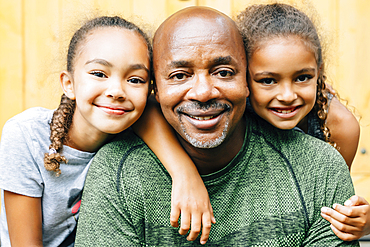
[66,82]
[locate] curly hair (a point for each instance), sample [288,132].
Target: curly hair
[260,22]
[63,115]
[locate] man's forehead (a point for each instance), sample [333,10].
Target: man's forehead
[190,27]
[198,34]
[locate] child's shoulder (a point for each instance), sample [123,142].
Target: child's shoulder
[31,124]
[38,114]
[293,142]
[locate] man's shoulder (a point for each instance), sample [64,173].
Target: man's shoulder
[125,151]
[298,149]
[121,143]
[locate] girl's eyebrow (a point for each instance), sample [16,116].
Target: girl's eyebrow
[304,70]
[99,61]
[138,67]
[106,63]
[265,73]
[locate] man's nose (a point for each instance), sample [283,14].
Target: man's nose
[202,89]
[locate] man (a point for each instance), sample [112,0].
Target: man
[266,186]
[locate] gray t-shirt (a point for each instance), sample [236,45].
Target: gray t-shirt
[24,140]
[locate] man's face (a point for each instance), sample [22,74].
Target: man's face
[200,71]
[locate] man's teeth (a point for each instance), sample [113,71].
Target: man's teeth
[202,118]
[285,111]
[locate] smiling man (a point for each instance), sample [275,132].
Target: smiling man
[200,70]
[266,185]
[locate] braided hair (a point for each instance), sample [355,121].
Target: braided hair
[63,115]
[261,22]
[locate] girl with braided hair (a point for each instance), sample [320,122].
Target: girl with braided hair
[106,87]
[287,82]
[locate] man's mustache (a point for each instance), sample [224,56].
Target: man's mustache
[203,106]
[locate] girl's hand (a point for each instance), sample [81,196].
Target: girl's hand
[351,221]
[190,199]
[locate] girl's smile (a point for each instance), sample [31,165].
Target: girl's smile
[112,109]
[282,79]
[110,83]
[287,112]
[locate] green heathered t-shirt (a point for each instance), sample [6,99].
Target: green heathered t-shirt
[270,194]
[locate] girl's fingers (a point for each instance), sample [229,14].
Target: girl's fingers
[343,235]
[196,223]
[356,201]
[213,219]
[174,216]
[357,222]
[352,212]
[345,228]
[207,220]
[185,223]
[333,214]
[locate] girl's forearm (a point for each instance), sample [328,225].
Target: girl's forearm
[161,139]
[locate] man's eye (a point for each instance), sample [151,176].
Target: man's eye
[178,76]
[136,80]
[98,74]
[225,73]
[303,78]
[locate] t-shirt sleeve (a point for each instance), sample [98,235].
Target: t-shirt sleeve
[104,217]
[19,171]
[335,187]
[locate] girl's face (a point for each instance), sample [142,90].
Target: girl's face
[110,80]
[282,80]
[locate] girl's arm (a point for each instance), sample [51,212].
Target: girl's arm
[189,195]
[24,218]
[351,221]
[344,129]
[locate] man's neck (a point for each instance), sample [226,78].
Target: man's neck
[214,159]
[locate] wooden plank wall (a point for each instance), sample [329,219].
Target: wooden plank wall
[35,33]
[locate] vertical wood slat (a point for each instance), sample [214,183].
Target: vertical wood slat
[11,63]
[353,69]
[223,6]
[41,45]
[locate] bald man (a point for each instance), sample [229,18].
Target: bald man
[266,186]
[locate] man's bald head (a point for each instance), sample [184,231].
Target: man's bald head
[200,21]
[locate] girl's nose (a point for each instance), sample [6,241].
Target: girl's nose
[115,89]
[286,93]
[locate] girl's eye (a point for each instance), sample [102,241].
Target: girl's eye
[225,73]
[303,78]
[136,80]
[267,81]
[98,74]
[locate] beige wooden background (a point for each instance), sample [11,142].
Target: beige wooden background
[34,36]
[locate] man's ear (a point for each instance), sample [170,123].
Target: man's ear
[66,82]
